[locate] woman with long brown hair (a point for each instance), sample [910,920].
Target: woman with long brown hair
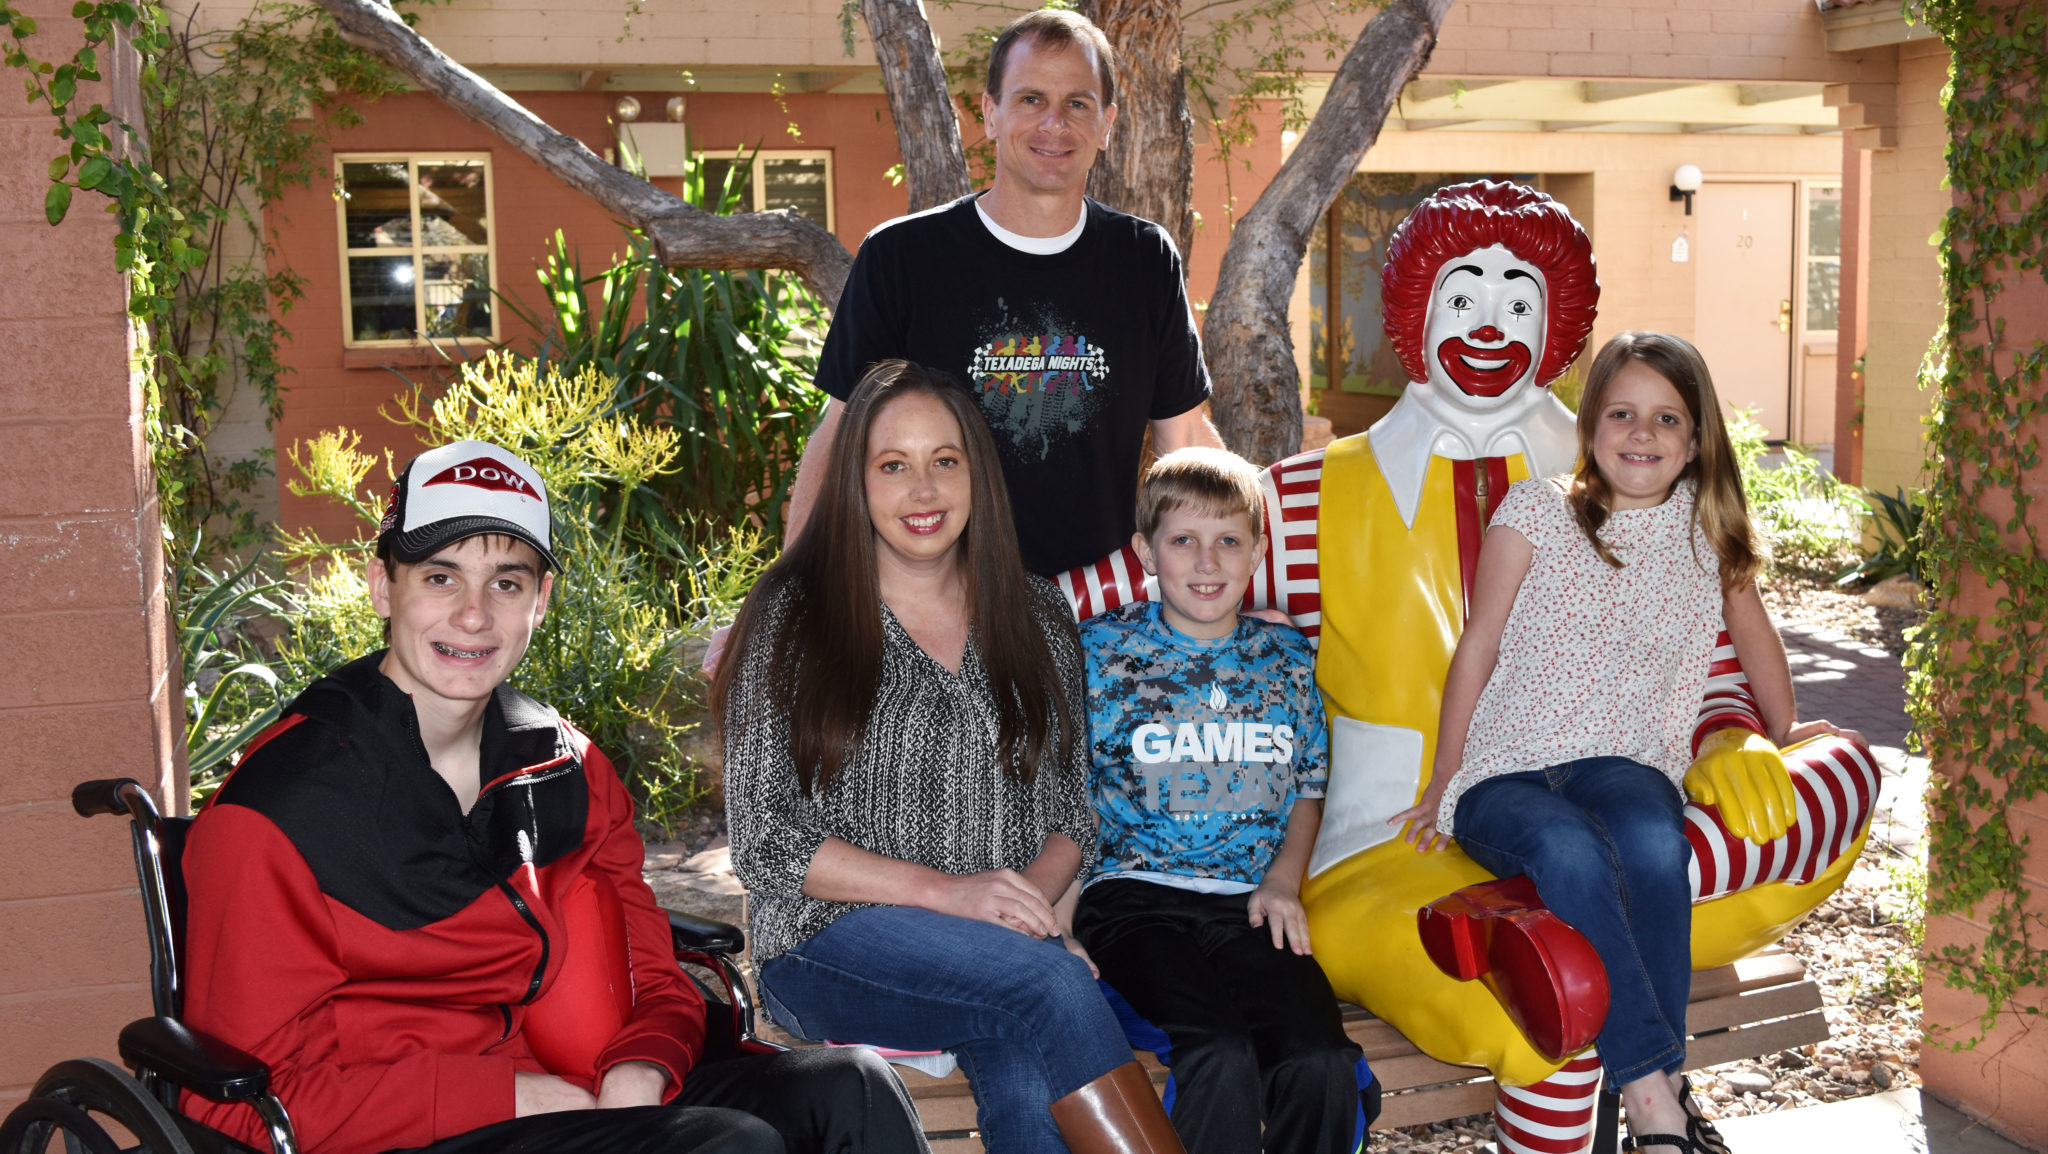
[906,780]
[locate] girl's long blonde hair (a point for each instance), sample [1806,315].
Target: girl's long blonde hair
[1719,508]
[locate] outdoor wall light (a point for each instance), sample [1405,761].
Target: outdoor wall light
[676,107]
[1684,183]
[626,108]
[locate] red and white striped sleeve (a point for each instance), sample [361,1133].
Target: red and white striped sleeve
[1727,702]
[1110,583]
[1290,579]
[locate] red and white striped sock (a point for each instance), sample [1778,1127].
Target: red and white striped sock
[1554,1116]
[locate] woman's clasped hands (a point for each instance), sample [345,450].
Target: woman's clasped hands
[1003,897]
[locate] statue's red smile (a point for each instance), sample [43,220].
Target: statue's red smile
[1484,372]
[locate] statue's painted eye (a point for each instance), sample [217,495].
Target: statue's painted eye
[1461,301]
[1521,308]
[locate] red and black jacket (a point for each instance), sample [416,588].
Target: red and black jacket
[353,928]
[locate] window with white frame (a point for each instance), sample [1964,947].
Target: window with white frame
[799,179]
[416,248]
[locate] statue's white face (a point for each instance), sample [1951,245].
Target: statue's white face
[1484,333]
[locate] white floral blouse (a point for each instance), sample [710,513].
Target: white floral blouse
[1597,661]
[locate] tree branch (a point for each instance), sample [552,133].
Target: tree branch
[1257,404]
[927,129]
[682,235]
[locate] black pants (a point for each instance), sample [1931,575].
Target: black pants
[1257,1037]
[801,1102]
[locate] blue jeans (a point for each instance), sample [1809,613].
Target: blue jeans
[1023,1016]
[1603,838]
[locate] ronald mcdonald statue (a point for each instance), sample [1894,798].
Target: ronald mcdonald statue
[1488,295]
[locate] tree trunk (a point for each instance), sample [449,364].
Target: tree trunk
[1148,170]
[1257,403]
[927,128]
[682,235]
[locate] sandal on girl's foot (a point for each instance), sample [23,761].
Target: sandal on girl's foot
[1640,1141]
[1705,1139]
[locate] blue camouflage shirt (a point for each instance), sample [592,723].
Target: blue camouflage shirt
[1200,748]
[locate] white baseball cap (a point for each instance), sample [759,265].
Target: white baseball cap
[460,490]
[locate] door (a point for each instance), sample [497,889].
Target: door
[1743,312]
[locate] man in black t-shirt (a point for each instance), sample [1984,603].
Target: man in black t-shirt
[1068,320]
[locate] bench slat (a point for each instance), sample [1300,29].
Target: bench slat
[1421,1107]
[1754,1006]
[1754,1041]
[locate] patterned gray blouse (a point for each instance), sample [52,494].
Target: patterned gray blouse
[925,785]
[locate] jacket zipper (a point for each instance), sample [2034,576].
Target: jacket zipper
[541,967]
[518,903]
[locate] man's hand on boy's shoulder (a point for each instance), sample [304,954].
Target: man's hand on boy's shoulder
[1278,907]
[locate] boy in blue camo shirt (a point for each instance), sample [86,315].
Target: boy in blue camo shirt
[1210,762]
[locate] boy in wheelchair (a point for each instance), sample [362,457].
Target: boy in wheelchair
[381,894]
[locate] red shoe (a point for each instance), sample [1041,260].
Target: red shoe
[1544,972]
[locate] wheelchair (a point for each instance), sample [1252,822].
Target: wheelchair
[167,1056]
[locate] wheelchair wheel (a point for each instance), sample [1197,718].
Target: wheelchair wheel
[66,1101]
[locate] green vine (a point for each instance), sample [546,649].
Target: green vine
[108,155]
[1978,678]
[223,131]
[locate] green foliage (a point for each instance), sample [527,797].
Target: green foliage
[231,693]
[614,654]
[1904,903]
[1976,682]
[1804,515]
[721,360]
[239,117]
[1895,521]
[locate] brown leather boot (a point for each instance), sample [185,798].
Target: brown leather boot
[1118,1113]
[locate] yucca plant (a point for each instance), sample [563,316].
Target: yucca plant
[231,694]
[723,359]
[1895,520]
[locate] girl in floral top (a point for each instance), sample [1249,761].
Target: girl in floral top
[1566,726]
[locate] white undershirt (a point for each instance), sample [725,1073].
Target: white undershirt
[1035,245]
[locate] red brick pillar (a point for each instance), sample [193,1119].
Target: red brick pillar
[86,688]
[2004,1079]
[1852,333]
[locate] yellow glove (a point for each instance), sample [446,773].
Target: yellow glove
[1743,774]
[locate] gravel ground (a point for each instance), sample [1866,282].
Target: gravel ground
[1796,599]
[1848,944]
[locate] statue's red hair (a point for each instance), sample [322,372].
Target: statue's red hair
[1462,217]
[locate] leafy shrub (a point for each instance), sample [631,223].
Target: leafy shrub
[1805,516]
[613,653]
[231,693]
[722,359]
[1895,522]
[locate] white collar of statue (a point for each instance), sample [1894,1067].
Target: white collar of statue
[1425,424]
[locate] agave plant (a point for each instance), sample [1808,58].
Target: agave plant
[231,694]
[724,359]
[1896,521]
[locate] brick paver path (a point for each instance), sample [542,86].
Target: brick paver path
[1863,688]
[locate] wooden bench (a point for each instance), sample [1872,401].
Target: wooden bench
[1760,1005]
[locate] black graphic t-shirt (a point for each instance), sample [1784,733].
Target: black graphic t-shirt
[1070,355]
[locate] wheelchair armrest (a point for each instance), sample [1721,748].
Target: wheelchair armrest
[198,1062]
[690,932]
